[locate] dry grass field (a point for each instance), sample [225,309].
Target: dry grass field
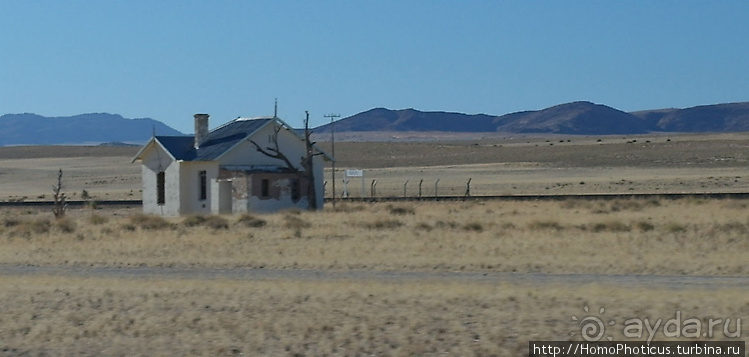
[51,315]
[89,314]
[628,236]
[183,315]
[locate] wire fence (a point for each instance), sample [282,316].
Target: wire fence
[384,188]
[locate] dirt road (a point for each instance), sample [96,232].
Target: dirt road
[667,281]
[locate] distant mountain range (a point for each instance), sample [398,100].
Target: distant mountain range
[582,118]
[95,128]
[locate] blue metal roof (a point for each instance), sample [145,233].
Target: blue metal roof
[218,141]
[181,147]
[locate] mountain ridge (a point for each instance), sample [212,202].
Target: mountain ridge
[577,118]
[89,128]
[574,118]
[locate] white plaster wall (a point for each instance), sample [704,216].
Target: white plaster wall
[155,160]
[221,195]
[213,189]
[190,186]
[246,154]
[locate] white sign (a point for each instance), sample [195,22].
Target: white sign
[354,173]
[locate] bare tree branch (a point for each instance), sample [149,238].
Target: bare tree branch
[275,152]
[305,162]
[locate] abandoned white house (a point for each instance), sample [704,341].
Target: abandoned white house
[223,170]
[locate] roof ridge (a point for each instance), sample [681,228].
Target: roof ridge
[237,119]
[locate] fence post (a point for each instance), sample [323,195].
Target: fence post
[420,182]
[435,187]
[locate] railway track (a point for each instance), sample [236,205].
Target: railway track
[592,196]
[74,204]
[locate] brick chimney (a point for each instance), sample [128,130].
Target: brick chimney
[201,129]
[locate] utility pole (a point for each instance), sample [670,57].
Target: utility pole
[333,117]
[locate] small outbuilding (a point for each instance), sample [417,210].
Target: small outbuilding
[245,165]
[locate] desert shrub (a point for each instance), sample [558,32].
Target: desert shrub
[732,226]
[251,221]
[40,225]
[295,222]
[217,222]
[611,226]
[626,205]
[37,226]
[194,220]
[294,211]
[129,227]
[673,227]
[401,210]
[213,221]
[383,224]
[98,219]
[572,203]
[11,221]
[446,224]
[346,207]
[546,224]
[149,222]
[653,202]
[473,226]
[423,226]
[644,226]
[66,225]
[507,225]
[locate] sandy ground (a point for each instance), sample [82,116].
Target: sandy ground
[495,166]
[104,178]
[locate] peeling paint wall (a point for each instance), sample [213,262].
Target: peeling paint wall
[282,193]
[247,191]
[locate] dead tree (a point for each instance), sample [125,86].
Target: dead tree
[306,161]
[308,164]
[59,197]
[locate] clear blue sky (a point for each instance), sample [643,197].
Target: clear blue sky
[170,59]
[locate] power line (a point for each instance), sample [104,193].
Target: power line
[333,117]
